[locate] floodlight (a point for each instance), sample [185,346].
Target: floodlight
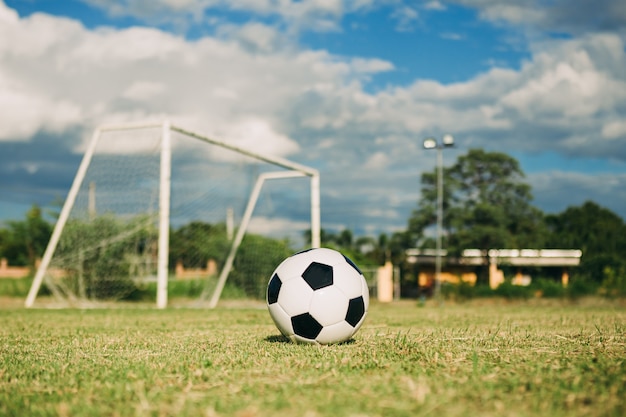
[430,143]
[448,140]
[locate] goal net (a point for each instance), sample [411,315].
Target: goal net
[155,207]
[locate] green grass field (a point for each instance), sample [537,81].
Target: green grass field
[519,359]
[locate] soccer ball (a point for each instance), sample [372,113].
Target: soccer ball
[318,296]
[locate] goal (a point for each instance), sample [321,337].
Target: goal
[154,204]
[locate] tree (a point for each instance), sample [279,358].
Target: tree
[597,231]
[342,240]
[486,204]
[195,243]
[490,204]
[23,242]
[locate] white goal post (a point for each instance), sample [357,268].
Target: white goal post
[291,170]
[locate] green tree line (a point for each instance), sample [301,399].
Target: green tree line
[487,204]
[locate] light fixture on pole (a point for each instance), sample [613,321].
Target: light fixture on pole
[431,143]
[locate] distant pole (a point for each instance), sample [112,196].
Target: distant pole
[431,143]
[92,200]
[230,223]
[439,222]
[315,211]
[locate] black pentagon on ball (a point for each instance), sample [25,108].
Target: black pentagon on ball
[273,288]
[356,310]
[304,325]
[318,275]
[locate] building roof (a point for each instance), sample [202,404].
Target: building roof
[518,257]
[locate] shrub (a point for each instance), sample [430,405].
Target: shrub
[581,288]
[483,291]
[11,287]
[510,291]
[462,291]
[548,288]
[614,282]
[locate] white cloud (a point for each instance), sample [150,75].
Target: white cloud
[406,18]
[434,5]
[143,90]
[257,135]
[614,130]
[377,161]
[25,111]
[556,190]
[8,16]
[280,228]
[254,36]
[129,142]
[575,17]
[514,13]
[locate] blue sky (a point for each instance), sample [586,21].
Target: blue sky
[350,87]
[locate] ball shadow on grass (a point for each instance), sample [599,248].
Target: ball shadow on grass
[279,338]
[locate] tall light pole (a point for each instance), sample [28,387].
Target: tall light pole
[431,143]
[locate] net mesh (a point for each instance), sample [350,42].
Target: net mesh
[108,249]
